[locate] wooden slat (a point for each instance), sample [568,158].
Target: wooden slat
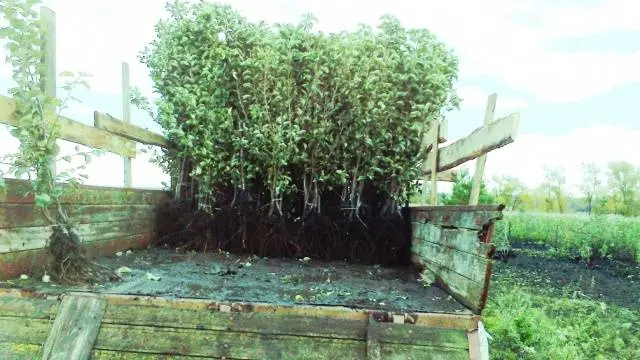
[126,116]
[75,328]
[129,131]
[85,195]
[481,161]
[274,324]
[223,343]
[16,351]
[404,352]
[76,132]
[427,138]
[21,239]
[24,262]
[387,332]
[11,306]
[21,331]
[481,141]
[49,75]
[467,217]
[459,239]
[30,351]
[25,215]
[470,266]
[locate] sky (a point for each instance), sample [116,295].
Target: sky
[571,68]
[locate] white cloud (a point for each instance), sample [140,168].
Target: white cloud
[526,157]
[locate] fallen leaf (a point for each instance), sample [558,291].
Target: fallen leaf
[124,270]
[24,277]
[152,277]
[119,253]
[299,298]
[46,278]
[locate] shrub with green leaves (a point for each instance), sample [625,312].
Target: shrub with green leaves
[288,116]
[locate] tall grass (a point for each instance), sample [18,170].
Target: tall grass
[573,234]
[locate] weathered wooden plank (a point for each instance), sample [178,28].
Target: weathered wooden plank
[372,341]
[75,328]
[464,240]
[470,266]
[387,332]
[481,141]
[466,291]
[23,262]
[481,161]
[224,343]
[129,131]
[76,132]
[265,323]
[447,176]
[30,351]
[17,330]
[404,352]
[29,238]
[48,61]
[16,193]
[467,217]
[25,215]
[11,306]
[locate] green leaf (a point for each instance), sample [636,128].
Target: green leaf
[43,200]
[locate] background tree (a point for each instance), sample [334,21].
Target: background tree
[624,180]
[509,191]
[590,184]
[553,186]
[461,191]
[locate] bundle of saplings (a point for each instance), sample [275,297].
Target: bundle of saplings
[290,141]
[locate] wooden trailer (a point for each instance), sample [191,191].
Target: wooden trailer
[191,306]
[185,306]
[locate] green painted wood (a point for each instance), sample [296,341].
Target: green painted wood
[29,352]
[25,215]
[24,331]
[470,266]
[418,335]
[416,352]
[277,324]
[242,345]
[75,328]
[33,308]
[460,239]
[17,351]
[21,239]
[86,195]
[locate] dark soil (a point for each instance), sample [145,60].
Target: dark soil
[228,277]
[609,281]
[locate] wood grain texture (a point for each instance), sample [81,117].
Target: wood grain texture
[29,238]
[472,218]
[16,263]
[76,131]
[481,141]
[18,192]
[127,130]
[75,329]
[126,116]
[482,159]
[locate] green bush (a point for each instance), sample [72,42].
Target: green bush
[289,115]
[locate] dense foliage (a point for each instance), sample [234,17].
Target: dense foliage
[288,117]
[573,235]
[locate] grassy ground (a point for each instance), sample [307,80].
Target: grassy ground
[549,308]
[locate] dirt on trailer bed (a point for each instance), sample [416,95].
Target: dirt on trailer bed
[231,277]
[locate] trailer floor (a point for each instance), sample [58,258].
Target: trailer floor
[230,277]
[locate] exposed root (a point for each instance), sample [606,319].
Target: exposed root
[69,262]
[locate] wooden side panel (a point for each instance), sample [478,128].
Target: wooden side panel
[75,328]
[453,246]
[106,219]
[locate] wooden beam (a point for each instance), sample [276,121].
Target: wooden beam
[76,132]
[481,141]
[126,116]
[132,132]
[434,164]
[427,138]
[447,176]
[75,329]
[480,162]
[48,80]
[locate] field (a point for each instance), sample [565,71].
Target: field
[575,236]
[565,287]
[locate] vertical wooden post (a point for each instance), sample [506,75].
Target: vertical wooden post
[480,162]
[126,116]
[48,80]
[434,164]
